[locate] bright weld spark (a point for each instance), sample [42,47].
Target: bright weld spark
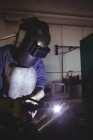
[64,109]
[57,108]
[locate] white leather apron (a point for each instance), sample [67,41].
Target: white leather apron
[20,81]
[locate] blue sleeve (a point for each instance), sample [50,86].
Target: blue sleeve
[4,58]
[41,75]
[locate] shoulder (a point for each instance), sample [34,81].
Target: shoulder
[6,48]
[39,62]
[6,53]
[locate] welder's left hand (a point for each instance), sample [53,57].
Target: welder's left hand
[38,95]
[38,114]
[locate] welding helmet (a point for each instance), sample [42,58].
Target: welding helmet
[32,41]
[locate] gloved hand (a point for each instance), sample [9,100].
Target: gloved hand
[16,108]
[38,95]
[21,106]
[33,105]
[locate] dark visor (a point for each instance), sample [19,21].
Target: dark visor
[37,51]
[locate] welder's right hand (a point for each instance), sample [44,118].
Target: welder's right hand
[14,108]
[18,109]
[21,109]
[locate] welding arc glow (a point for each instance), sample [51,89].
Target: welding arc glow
[39,43]
[57,108]
[64,108]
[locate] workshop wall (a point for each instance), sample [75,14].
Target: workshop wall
[7,29]
[63,35]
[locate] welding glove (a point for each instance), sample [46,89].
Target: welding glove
[36,95]
[14,108]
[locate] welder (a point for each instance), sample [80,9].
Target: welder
[22,71]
